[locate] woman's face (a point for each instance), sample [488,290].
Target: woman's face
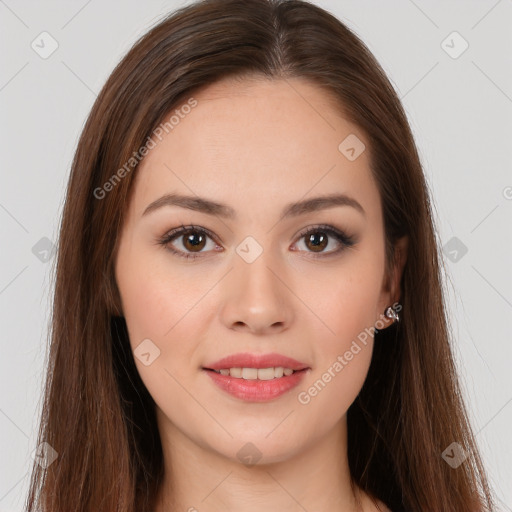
[265,277]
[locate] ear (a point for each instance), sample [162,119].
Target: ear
[390,293]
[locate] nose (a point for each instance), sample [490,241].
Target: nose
[256,298]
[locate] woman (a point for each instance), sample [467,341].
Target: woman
[248,308]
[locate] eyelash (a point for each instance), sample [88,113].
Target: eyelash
[345,240]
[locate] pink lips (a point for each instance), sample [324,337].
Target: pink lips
[246,360]
[256,390]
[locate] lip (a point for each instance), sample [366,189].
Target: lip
[256,390]
[247,360]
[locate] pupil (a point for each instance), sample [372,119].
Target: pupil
[317,244]
[190,240]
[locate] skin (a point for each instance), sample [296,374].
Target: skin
[256,146]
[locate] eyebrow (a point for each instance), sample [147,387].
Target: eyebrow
[210,207]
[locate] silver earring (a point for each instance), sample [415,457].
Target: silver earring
[392,314]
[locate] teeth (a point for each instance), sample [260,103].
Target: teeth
[235,372]
[249,373]
[256,373]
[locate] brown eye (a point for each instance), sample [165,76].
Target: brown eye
[188,242]
[194,241]
[316,241]
[318,238]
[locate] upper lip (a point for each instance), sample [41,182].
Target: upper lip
[247,360]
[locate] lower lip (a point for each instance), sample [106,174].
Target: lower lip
[256,390]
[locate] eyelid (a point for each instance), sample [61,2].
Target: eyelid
[182,230]
[346,241]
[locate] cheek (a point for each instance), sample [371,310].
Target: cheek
[146,304]
[330,390]
[155,297]
[158,306]
[161,319]
[346,306]
[342,362]
[346,302]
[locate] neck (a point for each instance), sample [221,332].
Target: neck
[198,478]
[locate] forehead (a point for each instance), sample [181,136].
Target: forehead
[252,142]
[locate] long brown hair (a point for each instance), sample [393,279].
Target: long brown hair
[97,414]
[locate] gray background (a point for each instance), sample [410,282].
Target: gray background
[460,110]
